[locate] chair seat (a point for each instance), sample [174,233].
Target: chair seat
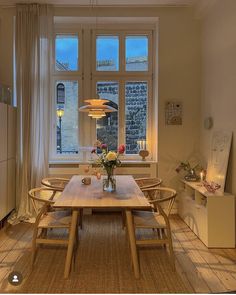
[148,219]
[56,219]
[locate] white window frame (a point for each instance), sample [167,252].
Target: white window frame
[87,72]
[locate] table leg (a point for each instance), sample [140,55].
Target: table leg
[71,243]
[133,248]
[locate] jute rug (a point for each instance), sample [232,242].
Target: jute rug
[103,265]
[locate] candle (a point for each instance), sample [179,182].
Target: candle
[201,175]
[98,175]
[139,144]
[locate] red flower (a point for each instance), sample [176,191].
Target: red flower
[103,146]
[121,149]
[93,151]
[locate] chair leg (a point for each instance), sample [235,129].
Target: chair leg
[81,218]
[123,219]
[172,257]
[34,244]
[76,244]
[44,233]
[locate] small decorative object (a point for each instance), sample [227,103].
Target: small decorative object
[86,180]
[208,123]
[108,160]
[211,187]
[143,152]
[173,112]
[191,173]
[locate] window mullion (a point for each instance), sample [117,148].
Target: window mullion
[121,112]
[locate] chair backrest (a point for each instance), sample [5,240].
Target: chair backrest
[55,183]
[42,198]
[148,182]
[161,195]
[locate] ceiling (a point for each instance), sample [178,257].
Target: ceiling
[106,2]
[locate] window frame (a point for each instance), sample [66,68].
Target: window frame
[122,76]
[87,70]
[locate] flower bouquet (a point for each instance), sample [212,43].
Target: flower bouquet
[108,160]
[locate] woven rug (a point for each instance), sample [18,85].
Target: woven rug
[103,264]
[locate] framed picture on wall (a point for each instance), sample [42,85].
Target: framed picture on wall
[173,113]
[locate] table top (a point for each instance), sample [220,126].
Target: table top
[78,195]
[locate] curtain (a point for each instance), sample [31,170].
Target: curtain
[33,35]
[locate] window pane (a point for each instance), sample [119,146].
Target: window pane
[67,49]
[107,127]
[107,53]
[136,94]
[67,117]
[136,53]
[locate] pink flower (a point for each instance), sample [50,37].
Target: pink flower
[93,151]
[103,146]
[121,149]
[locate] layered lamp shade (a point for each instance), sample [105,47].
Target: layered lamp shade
[96,108]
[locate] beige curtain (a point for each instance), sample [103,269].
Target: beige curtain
[33,37]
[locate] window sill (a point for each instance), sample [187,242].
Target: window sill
[69,162]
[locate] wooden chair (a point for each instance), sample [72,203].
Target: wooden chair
[148,182]
[59,184]
[55,183]
[47,218]
[157,220]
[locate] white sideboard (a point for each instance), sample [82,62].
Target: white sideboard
[210,216]
[7,159]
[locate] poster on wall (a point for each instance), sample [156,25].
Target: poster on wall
[219,157]
[173,113]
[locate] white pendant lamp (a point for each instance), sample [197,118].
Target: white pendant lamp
[96,108]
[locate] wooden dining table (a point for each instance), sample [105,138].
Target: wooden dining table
[127,197]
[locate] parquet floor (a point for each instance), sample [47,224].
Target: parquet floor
[104,265]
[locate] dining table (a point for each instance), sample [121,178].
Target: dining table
[127,197]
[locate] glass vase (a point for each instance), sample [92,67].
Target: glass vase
[109,183]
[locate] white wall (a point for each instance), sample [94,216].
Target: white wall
[178,76]
[219,77]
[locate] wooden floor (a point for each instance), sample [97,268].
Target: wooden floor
[103,264]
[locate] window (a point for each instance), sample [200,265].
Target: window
[107,53]
[67,117]
[66,52]
[114,64]
[107,127]
[136,93]
[136,53]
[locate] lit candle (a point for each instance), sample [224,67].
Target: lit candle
[201,175]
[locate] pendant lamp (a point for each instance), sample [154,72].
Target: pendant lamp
[96,108]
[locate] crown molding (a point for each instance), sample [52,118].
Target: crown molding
[104,3]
